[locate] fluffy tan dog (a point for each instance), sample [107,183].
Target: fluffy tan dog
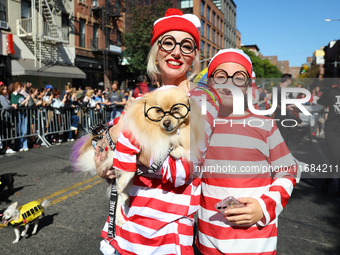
[158,120]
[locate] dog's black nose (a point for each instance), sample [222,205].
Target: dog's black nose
[167,123]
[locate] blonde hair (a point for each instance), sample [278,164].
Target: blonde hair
[89,92]
[152,68]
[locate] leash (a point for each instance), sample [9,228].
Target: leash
[97,131]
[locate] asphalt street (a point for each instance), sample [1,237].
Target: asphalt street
[78,205]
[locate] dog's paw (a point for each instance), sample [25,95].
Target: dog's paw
[15,241]
[176,153]
[120,221]
[23,234]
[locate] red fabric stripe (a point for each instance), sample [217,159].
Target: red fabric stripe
[124,166]
[284,195]
[270,206]
[237,232]
[160,205]
[278,151]
[220,180]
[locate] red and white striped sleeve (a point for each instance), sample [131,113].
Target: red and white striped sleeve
[284,170]
[125,158]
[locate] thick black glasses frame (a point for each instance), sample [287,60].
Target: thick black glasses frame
[232,77]
[177,43]
[165,112]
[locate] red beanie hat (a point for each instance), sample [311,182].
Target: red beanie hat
[175,20]
[231,55]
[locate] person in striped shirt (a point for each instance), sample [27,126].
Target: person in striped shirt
[247,159]
[160,218]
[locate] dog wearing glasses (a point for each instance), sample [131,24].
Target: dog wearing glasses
[157,121]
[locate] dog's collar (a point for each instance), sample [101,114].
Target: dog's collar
[98,131]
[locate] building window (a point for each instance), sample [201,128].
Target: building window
[208,50]
[218,22]
[65,24]
[186,4]
[25,9]
[202,28]
[3,10]
[208,13]
[202,48]
[95,36]
[82,33]
[208,32]
[202,8]
[213,35]
[213,18]
[213,51]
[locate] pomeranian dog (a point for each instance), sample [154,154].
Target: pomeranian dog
[23,216]
[157,121]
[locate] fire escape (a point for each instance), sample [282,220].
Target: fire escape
[42,28]
[107,16]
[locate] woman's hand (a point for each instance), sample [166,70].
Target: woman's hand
[248,215]
[103,171]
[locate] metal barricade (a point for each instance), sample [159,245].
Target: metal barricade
[44,122]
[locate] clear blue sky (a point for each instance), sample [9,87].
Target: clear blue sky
[289,29]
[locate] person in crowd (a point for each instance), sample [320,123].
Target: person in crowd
[25,89]
[5,125]
[330,98]
[57,103]
[48,93]
[115,100]
[89,98]
[142,86]
[251,153]
[34,99]
[99,99]
[169,229]
[67,90]
[127,94]
[262,99]
[21,117]
[286,80]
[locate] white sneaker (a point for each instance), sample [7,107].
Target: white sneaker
[22,149]
[10,151]
[26,149]
[73,128]
[70,140]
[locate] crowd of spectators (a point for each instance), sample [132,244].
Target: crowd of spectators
[22,95]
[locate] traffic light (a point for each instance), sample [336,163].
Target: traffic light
[304,69]
[9,44]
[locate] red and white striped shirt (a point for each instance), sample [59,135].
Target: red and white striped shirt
[159,219]
[247,157]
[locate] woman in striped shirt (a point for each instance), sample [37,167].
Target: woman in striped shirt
[247,159]
[160,218]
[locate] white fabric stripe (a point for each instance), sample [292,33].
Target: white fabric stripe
[239,141]
[181,174]
[153,214]
[126,142]
[168,197]
[185,240]
[275,139]
[223,192]
[255,245]
[265,213]
[125,158]
[286,160]
[145,249]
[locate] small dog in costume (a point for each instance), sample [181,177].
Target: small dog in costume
[24,215]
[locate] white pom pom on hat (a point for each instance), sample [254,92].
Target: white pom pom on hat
[231,55]
[175,20]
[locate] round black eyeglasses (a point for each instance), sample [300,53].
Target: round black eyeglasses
[168,43]
[178,111]
[239,78]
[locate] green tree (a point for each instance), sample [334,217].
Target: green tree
[262,67]
[138,35]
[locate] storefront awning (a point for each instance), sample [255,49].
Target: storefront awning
[26,67]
